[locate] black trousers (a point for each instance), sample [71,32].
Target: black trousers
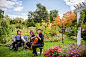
[36,46]
[17,43]
[28,44]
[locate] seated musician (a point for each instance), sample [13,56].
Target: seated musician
[40,43]
[19,39]
[32,38]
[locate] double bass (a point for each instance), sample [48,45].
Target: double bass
[34,42]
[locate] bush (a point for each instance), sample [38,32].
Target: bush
[83,32]
[19,26]
[6,28]
[73,50]
[73,31]
[29,24]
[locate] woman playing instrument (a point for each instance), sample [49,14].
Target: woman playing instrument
[40,42]
[32,38]
[18,41]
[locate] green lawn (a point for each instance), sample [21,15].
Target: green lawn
[6,52]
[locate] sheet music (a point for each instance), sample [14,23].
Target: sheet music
[13,38]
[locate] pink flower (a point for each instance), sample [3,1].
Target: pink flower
[80,20]
[53,55]
[58,56]
[50,56]
[83,29]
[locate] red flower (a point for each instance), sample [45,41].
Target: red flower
[47,38]
[68,55]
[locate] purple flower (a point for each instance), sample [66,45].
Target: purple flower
[78,50]
[82,53]
[83,47]
[72,53]
[79,25]
[80,45]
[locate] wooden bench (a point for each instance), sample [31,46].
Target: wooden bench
[40,50]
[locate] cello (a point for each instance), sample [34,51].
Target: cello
[34,42]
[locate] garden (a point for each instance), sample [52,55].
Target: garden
[57,42]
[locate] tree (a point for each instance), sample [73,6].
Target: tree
[1,13]
[53,13]
[57,21]
[6,16]
[68,19]
[39,14]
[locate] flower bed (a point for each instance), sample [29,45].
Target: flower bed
[66,51]
[54,38]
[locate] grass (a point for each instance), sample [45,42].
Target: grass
[6,52]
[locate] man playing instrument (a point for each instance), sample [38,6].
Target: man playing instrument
[40,42]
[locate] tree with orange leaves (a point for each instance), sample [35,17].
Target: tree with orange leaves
[68,19]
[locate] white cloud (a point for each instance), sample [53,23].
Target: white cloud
[4,9]
[19,3]
[23,15]
[18,8]
[8,4]
[14,0]
[71,3]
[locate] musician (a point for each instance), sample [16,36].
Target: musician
[32,38]
[40,42]
[19,39]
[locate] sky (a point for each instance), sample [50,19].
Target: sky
[20,8]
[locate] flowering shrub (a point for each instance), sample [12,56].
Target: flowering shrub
[73,50]
[52,52]
[66,51]
[55,38]
[83,32]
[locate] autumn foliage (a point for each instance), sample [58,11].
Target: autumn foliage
[67,20]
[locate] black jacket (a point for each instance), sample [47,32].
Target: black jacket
[42,39]
[32,39]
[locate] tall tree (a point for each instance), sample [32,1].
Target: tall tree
[39,14]
[1,13]
[53,13]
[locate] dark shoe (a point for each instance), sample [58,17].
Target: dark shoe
[15,49]
[25,47]
[32,52]
[35,55]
